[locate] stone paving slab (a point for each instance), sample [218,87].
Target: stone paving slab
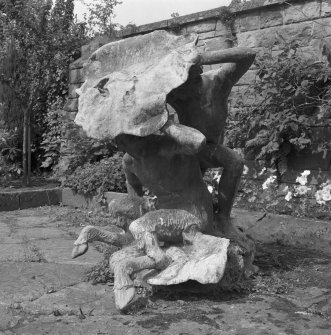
[42,289]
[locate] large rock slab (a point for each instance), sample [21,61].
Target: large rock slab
[203,261]
[142,70]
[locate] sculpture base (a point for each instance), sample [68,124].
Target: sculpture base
[213,263]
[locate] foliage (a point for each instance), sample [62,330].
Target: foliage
[52,137]
[37,44]
[84,149]
[99,17]
[9,153]
[100,273]
[174,24]
[226,16]
[211,179]
[99,177]
[291,93]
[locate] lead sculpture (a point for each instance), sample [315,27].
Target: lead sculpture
[150,95]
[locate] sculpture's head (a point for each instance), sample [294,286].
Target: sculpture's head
[127,83]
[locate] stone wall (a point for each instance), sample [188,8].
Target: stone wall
[257,24]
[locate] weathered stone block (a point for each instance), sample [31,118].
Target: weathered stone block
[271,17]
[9,201]
[201,27]
[76,76]
[209,34]
[44,197]
[306,160]
[218,43]
[250,22]
[110,196]
[302,32]
[72,90]
[153,26]
[302,11]
[73,199]
[77,64]
[322,28]
[258,38]
[71,115]
[222,29]
[325,8]
[71,105]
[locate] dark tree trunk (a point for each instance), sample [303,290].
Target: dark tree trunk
[26,147]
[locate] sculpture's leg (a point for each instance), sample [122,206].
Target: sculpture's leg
[88,234]
[124,290]
[173,224]
[218,155]
[133,184]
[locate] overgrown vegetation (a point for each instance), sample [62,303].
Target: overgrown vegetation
[291,94]
[38,41]
[98,177]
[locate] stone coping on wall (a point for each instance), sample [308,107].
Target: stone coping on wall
[236,8]
[239,8]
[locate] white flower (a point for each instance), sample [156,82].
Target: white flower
[246,169]
[288,196]
[301,190]
[269,181]
[324,194]
[262,171]
[210,189]
[302,180]
[217,176]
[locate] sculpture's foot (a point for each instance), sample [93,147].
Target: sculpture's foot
[245,245]
[126,296]
[123,287]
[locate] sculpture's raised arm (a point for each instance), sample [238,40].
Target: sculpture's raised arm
[238,60]
[232,55]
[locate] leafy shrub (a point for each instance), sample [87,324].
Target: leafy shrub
[52,137]
[98,177]
[291,93]
[83,149]
[10,155]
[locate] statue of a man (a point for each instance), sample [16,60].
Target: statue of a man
[202,103]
